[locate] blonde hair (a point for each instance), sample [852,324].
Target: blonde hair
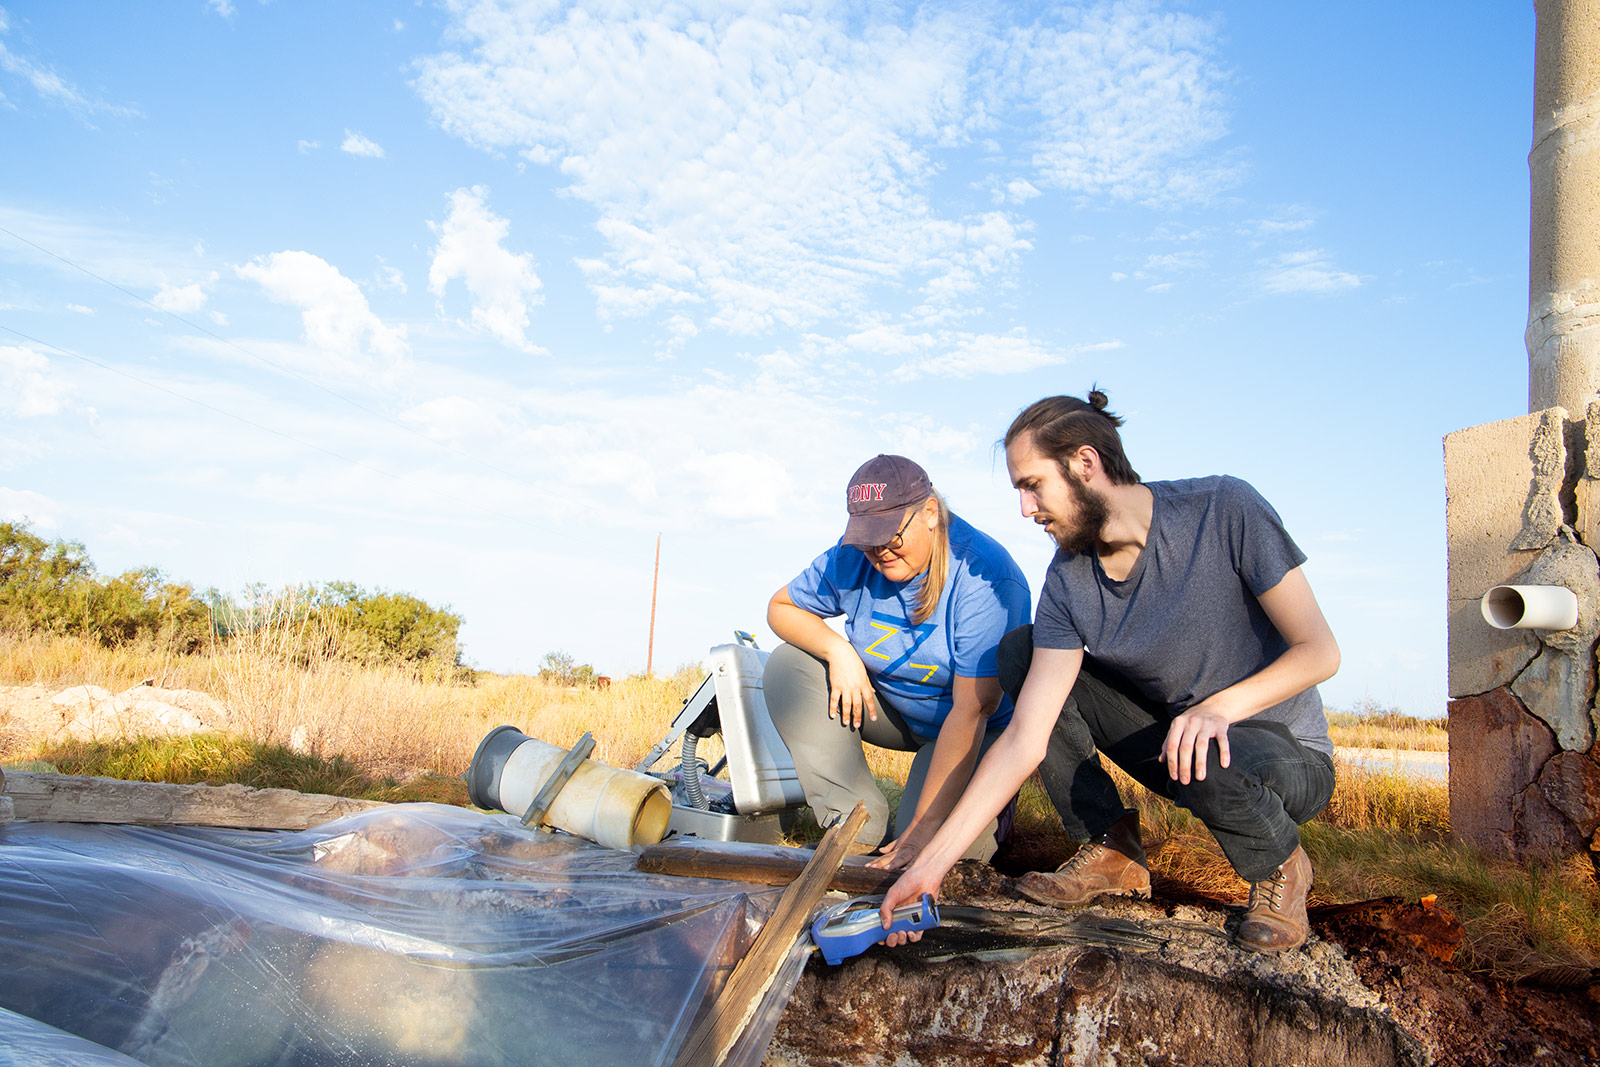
[938,565]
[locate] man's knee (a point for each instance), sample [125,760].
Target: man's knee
[1013,659]
[1227,794]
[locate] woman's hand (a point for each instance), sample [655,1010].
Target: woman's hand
[898,854]
[850,692]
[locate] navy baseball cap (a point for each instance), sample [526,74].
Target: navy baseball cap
[879,493]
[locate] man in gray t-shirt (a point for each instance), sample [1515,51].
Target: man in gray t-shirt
[1187,621]
[1176,634]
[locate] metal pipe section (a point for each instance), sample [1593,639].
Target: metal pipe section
[616,808]
[1563,335]
[1530,607]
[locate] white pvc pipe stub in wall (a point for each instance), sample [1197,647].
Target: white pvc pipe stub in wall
[1530,607]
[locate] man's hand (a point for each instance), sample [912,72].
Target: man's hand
[850,692]
[1189,740]
[909,889]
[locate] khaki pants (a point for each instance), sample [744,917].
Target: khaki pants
[830,758]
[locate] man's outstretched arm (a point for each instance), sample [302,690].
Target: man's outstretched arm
[1000,774]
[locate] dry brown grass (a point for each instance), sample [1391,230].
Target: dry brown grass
[1388,732]
[1183,851]
[281,676]
[1386,834]
[1382,833]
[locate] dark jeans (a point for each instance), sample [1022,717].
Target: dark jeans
[1253,806]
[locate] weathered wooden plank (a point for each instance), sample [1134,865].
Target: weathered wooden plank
[73,798]
[709,861]
[715,1032]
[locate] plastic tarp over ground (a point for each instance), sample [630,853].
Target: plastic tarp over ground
[419,934]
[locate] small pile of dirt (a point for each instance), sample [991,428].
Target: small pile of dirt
[1465,1019]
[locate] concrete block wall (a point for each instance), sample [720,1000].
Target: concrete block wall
[1523,507]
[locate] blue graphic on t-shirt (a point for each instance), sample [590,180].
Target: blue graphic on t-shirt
[914,667]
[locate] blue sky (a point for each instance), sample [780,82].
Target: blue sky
[472,300]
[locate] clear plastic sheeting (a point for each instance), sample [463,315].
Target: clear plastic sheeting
[419,934]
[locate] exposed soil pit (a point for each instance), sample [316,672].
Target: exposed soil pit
[1180,995]
[1128,982]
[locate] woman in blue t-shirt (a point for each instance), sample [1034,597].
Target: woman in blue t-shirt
[926,599]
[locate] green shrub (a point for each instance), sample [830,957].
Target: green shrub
[52,588]
[559,667]
[384,627]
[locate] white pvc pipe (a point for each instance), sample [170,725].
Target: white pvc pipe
[1530,607]
[617,808]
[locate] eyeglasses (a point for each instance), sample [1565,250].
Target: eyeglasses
[894,543]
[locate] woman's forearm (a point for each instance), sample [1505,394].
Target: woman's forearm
[955,753]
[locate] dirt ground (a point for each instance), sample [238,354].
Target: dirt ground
[1463,1019]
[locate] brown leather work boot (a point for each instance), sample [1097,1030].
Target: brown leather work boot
[1276,919]
[1112,864]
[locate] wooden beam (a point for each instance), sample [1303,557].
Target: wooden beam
[71,798]
[708,861]
[727,1017]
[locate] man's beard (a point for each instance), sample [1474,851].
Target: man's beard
[1092,513]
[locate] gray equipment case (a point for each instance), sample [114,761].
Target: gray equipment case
[761,792]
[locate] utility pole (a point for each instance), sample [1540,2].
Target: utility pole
[650,656]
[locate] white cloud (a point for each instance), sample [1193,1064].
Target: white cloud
[502,283]
[1305,272]
[127,258]
[1020,191]
[889,340]
[307,147]
[1176,261]
[334,311]
[358,145]
[53,87]
[19,505]
[26,386]
[680,328]
[1283,219]
[1009,353]
[738,485]
[919,435]
[776,164]
[222,7]
[1126,101]
[455,417]
[390,278]
[771,164]
[80,309]
[182,300]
